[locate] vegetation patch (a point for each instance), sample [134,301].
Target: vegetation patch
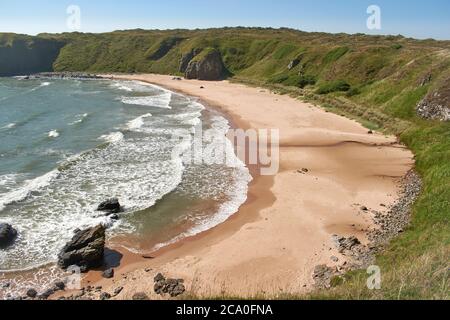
[334,86]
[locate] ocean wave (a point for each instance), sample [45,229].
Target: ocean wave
[139,169]
[8,126]
[122,86]
[42,85]
[80,119]
[27,189]
[9,180]
[138,122]
[235,191]
[113,137]
[135,86]
[53,134]
[157,101]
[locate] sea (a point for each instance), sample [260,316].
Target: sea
[68,144]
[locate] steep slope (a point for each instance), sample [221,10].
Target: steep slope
[20,55]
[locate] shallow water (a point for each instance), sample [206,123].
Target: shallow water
[66,145]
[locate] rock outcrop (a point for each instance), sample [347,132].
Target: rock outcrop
[206,66]
[140,296]
[173,287]
[7,234]
[186,58]
[85,250]
[322,276]
[293,64]
[436,105]
[110,206]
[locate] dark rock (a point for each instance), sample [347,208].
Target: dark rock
[186,59]
[60,285]
[105,296]
[118,290]
[173,287]
[6,285]
[370,132]
[346,244]
[108,274]
[110,206]
[293,64]
[114,217]
[86,249]
[140,296]
[46,294]
[209,67]
[159,277]
[7,234]
[363,208]
[32,293]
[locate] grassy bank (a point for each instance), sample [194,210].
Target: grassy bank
[378,80]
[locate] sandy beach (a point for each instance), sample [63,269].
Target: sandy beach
[272,245]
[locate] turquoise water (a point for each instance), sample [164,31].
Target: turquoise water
[66,145]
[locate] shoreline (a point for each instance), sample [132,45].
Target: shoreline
[195,258]
[259,185]
[285,230]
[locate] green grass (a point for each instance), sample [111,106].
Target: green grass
[333,86]
[373,79]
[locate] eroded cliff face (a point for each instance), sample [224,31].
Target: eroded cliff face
[436,105]
[25,55]
[206,66]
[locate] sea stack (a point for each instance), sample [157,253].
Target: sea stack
[207,65]
[85,250]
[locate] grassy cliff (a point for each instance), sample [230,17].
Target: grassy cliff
[378,80]
[21,55]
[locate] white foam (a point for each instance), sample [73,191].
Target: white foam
[53,134]
[138,169]
[159,101]
[113,137]
[28,187]
[138,122]
[8,179]
[42,85]
[9,126]
[81,118]
[236,191]
[122,86]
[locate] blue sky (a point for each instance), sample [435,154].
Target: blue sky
[419,19]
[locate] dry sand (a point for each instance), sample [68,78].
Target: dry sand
[285,229]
